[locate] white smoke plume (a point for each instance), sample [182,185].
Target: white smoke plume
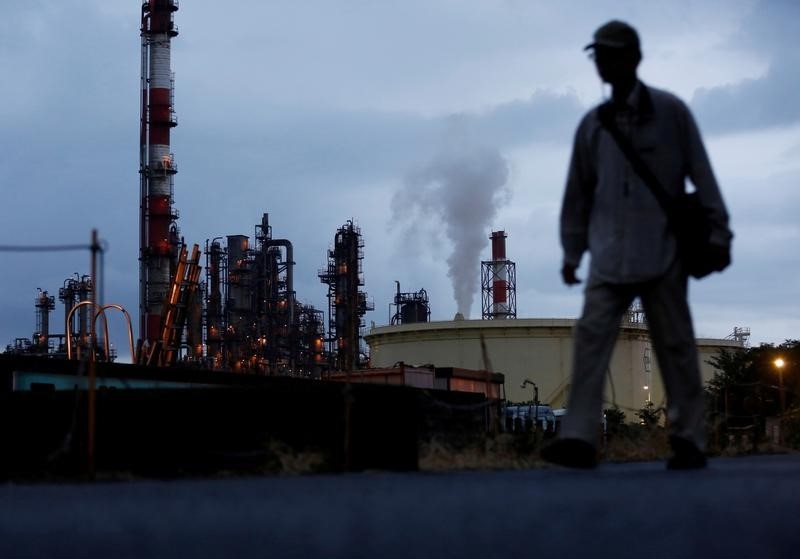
[464,185]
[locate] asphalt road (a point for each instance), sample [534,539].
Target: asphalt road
[737,508]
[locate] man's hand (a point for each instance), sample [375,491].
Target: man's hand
[568,274]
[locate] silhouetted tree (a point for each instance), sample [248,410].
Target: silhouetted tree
[649,415]
[615,419]
[747,382]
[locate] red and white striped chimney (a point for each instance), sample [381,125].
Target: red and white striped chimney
[498,282]
[500,275]
[158,233]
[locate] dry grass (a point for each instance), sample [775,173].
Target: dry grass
[509,451]
[745,447]
[636,444]
[500,452]
[284,460]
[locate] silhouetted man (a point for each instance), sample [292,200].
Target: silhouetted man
[609,211]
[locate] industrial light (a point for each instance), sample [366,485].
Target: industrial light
[779,362]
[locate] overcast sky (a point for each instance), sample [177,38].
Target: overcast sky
[428,122]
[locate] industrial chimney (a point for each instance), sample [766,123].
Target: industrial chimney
[498,282]
[158,233]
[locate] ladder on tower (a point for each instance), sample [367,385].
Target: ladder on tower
[173,316]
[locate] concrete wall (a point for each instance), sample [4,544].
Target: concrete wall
[535,349]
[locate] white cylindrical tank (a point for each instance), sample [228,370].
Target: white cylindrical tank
[537,349]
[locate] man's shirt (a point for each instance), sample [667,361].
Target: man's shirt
[609,210]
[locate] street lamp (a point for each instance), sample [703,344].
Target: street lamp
[780,364]
[525,383]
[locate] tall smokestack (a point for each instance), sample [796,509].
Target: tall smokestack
[498,282]
[158,232]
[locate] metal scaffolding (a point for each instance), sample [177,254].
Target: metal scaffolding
[498,282]
[347,305]
[252,320]
[411,308]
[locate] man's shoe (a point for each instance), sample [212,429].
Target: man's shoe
[685,455]
[571,453]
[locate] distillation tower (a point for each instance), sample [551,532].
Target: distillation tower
[158,243]
[347,305]
[253,322]
[411,308]
[498,282]
[73,291]
[44,304]
[53,344]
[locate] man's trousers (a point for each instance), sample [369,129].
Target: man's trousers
[669,319]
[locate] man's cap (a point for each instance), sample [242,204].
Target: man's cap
[615,34]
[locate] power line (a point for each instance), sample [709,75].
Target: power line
[43,248]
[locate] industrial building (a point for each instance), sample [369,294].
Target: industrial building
[534,354]
[251,320]
[537,349]
[347,304]
[243,315]
[51,341]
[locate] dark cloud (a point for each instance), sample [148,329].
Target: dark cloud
[771,100]
[545,117]
[312,113]
[285,144]
[755,103]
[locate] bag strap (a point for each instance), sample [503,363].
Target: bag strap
[606,114]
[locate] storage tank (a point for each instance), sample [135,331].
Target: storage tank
[413,313]
[538,349]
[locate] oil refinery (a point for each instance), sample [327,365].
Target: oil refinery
[242,314]
[232,305]
[379,279]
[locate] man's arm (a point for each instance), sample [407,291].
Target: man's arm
[576,206]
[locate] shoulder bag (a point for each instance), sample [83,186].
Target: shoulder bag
[686,216]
